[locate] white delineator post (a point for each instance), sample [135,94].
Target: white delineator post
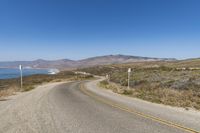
[129,73]
[21,74]
[108,77]
[84,73]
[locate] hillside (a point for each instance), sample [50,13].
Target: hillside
[174,83]
[89,62]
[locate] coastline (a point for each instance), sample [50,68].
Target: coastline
[9,73]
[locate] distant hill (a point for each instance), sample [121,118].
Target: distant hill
[71,64]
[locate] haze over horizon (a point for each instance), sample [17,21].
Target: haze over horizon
[95,57]
[76,29]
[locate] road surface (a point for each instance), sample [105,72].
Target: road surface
[73,108]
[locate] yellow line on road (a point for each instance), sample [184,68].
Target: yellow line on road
[129,110]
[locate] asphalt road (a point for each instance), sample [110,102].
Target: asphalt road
[69,108]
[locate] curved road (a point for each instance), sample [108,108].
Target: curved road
[66,108]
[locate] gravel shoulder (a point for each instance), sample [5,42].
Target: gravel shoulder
[26,112]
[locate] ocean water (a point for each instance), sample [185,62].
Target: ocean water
[6,73]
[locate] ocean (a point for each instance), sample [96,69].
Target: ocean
[7,73]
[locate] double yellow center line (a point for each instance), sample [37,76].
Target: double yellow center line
[129,110]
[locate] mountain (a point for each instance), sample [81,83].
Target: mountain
[71,64]
[118,59]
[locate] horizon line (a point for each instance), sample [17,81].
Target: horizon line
[99,56]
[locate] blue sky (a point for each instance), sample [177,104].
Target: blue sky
[76,29]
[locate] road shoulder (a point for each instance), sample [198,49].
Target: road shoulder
[180,116]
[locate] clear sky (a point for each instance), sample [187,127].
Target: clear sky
[76,29]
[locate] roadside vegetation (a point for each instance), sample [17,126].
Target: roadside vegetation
[11,86]
[174,83]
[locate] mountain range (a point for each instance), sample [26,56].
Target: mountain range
[89,62]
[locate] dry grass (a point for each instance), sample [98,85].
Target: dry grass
[10,86]
[10,91]
[187,98]
[175,83]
